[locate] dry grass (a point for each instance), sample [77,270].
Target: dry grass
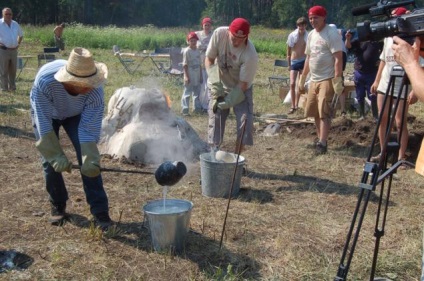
[289,222]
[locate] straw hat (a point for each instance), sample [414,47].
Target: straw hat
[82,70]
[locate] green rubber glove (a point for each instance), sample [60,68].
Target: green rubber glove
[217,89]
[90,159]
[337,85]
[235,97]
[50,149]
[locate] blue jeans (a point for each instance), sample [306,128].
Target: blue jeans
[363,82]
[93,187]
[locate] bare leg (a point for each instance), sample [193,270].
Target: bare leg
[324,130]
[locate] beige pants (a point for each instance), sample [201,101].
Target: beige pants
[8,62]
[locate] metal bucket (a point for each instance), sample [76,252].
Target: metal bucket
[217,176]
[168,223]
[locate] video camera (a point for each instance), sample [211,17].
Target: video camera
[406,26]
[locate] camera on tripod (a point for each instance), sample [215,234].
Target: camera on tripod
[406,26]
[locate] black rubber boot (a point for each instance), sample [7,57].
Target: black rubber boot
[361,110]
[58,214]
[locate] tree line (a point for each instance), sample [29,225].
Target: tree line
[173,13]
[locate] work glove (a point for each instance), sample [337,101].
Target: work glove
[217,89]
[337,85]
[216,101]
[301,83]
[90,159]
[235,97]
[50,149]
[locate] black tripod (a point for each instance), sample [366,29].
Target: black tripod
[377,173]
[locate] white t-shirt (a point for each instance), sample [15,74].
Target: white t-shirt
[235,64]
[320,48]
[191,58]
[9,35]
[202,43]
[294,37]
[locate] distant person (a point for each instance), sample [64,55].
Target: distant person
[365,70]
[380,87]
[192,75]
[70,94]
[11,36]
[58,39]
[296,45]
[324,60]
[232,61]
[204,36]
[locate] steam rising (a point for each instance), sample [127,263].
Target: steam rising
[140,127]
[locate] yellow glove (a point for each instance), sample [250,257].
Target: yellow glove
[90,159]
[214,82]
[301,83]
[337,85]
[50,149]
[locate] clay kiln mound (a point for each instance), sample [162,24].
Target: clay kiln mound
[141,128]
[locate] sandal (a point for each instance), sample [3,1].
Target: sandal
[292,110]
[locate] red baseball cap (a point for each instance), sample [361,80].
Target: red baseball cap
[192,35]
[318,11]
[399,11]
[206,20]
[240,27]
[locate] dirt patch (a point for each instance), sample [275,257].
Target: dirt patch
[349,132]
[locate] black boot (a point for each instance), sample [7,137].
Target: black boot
[361,110]
[58,214]
[374,109]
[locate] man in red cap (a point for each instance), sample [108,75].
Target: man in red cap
[231,62]
[204,36]
[324,60]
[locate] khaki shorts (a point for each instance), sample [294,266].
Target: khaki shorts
[320,96]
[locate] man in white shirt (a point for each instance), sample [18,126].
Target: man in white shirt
[10,38]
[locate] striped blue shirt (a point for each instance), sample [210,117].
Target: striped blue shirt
[50,100]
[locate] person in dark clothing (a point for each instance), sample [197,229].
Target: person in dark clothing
[366,66]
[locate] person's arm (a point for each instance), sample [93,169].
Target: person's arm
[348,43]
[407,57]
[338,63]
[374,85]
[289,50]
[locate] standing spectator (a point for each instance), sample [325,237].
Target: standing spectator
[232,60]
[204,36]
[192,75]
[324,60]
[380,87]
[58,39]
[296,45]
[366,67]
[10,38]
[69,94]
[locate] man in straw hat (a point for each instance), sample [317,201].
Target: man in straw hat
[69,94]
[324,60]
[231,62]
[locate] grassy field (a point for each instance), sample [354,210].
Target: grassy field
[289,222]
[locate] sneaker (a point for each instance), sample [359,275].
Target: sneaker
[320,149]
[103,220]
[58,214]
[185,112]
[376,158]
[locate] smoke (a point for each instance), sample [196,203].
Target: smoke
[141,127]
